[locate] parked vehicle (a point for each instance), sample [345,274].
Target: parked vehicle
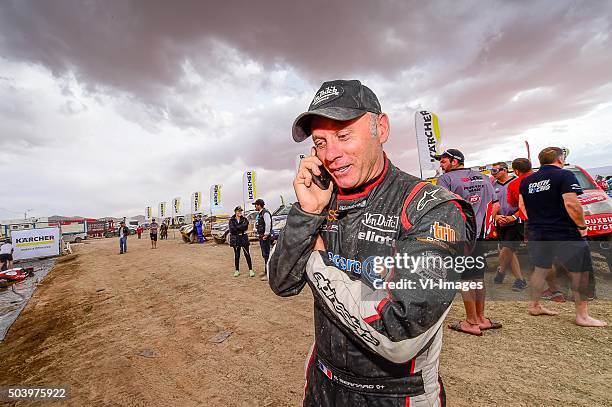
[101,228]
[220,228]
[597,207]
[207,222]
[73,231]
[279,219]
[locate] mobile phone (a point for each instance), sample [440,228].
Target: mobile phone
[323,180]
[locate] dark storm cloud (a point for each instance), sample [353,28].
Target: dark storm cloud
[472,58]
[491,70]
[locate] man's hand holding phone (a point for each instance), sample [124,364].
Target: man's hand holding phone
[312,198]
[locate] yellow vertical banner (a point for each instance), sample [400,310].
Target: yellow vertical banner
[249,187]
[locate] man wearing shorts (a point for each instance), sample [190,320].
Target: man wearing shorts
[6,255]
[556,231]
[476,189]
[522,168]
[509,228]
[153,231]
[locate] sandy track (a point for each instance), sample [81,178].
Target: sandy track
[135,330]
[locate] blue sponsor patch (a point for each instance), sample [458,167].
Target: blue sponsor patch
[365,268]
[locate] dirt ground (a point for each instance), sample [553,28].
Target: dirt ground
[136,330]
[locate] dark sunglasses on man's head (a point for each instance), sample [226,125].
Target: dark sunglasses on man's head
[497,170]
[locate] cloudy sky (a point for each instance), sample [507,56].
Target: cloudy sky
[109,106]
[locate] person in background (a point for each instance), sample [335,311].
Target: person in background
[6,255]
[239,239]
[476,189]
[139,231]
[556,232]
[263,225]
[153,230]
[163,231]
[194,231]
[522,168]
[199,229]
[601,183]
[124,232]
[509,229]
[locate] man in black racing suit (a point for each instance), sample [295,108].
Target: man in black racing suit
[374,345]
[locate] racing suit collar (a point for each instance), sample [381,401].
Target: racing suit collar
[365,189]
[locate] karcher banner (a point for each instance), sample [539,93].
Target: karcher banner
[35,243]
[249,187]
[215,198]
[163,209]
[428,140]
[176,205]
[196,202]
[148,212]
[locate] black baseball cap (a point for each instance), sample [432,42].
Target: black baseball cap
[451,153]
[259,202]
[340,100]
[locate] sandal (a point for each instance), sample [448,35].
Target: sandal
[494,325]
[457,327]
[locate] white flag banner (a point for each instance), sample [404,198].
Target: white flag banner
[215,198]
[148,212]
[196,202]
[163,208]
[428,140]
[176,205]
[249,187]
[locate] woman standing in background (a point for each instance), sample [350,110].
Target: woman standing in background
[238,226]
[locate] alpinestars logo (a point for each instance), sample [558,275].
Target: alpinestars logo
[428,197]
[326,94]
[324,286]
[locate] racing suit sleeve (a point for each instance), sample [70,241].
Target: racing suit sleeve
[287,263]
[393,320]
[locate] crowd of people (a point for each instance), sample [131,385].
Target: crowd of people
[547,201]
[238,236]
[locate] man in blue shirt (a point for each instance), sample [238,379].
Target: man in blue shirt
[556,231]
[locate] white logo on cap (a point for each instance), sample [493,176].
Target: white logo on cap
[325,94]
